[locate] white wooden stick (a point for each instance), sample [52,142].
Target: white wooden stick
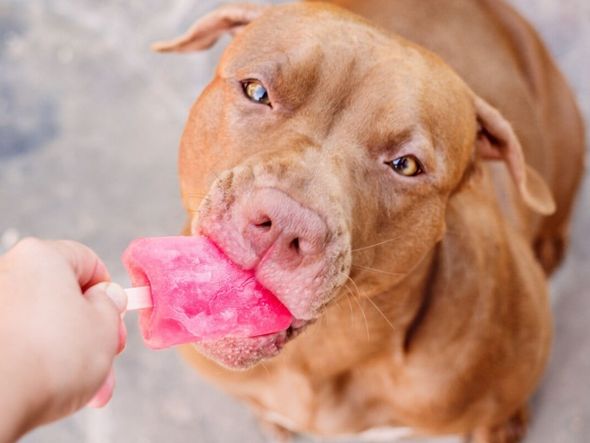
[139,298]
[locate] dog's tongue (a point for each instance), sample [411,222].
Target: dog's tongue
[198,293]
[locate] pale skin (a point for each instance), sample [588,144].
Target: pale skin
[60,330]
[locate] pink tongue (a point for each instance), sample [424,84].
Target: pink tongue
[198,293]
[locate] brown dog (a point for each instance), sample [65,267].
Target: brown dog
[349,167]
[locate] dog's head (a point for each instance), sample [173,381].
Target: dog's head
[321,136]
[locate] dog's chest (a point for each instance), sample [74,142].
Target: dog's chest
[340,406]
[376,435]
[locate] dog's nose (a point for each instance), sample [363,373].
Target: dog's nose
[275,221]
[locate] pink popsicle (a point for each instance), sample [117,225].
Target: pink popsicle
[198,293]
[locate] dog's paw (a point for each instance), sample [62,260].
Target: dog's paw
[513,431]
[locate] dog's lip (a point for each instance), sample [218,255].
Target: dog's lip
[295,324]
[296,327]
[274,342]
[243,353]
[291,332]
[280,339]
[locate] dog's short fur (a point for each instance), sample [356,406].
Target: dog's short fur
[424,298]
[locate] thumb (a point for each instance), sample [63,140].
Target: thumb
[113,292]
[110,301]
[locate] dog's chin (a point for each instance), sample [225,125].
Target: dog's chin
[244,353]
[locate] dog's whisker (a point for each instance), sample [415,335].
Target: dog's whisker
[365,268]
[364,248]
[347,297]
[265,368]
[324,320]
[321,322]
[196,199]
[194,205]
[381,312]
[356,299]
[216,174]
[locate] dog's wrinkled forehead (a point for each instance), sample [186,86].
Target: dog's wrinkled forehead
[334,63]
[294,27]
[291,43]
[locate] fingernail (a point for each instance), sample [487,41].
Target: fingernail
[117,295]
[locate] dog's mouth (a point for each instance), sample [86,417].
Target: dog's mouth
[303,284]
[296,328]
[243,353]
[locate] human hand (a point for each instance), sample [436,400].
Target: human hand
[60,330]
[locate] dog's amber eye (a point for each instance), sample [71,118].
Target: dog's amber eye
[408,166]
[256,92]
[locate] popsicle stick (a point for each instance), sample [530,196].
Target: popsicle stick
[139,298]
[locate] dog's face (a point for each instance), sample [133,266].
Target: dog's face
[319,138]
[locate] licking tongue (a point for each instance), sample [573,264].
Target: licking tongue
[197,293]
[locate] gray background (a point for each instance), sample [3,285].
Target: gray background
[89,126]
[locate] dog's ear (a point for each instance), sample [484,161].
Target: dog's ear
[496,140]
[208,29]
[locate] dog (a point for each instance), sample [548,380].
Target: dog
[401,176]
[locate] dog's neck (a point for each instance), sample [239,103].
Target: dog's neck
[366,320]
[387,313]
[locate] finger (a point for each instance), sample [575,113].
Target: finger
[122,337]
[87,266]
[105,393]
[116,294]
[109,302]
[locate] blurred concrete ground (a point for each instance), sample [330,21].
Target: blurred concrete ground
[89,127]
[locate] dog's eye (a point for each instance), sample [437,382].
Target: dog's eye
[408,166]
[256,92]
